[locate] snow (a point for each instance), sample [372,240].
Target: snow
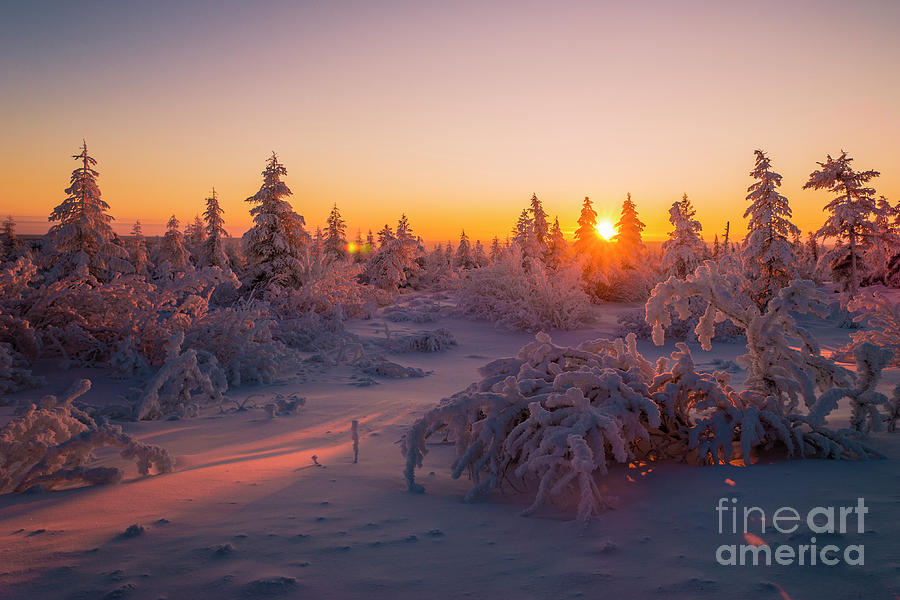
[248,513]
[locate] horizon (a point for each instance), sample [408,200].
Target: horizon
[489,107]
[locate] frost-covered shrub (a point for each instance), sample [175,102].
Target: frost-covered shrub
[783,360]
[415,310]
[522,294]
[881,316]
[15,372]
[186,379]
[240,338]
[864,398]
[328,283]
[423,341]
[634,321]
[51,446]
[554,418]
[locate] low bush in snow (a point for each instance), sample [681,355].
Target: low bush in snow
[51,446]
[557,417]
[524,295]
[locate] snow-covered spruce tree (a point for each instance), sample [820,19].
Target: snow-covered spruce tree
[82,240]
[9,243]
[851,210]
[140,256]
[463,259]
[335,240]
[194,236]
[275,244]
[684,249]
[496,249]
[629,245]
[396,262]
[479,255]
[539,234]
[212,253]
[557,248]
[173,256]
[52,445]
[884,244]
[767,253]
[522,231]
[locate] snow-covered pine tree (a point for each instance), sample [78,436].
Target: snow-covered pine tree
[83,240]
[539,234]
[213,252]
[463,259]
[140,256]
[277,240]
[335,241]
[557,246]
[586,234]
[884,244]
[194,236]
[172,252]
[496,250]
[629,245]
[370,241]
[522,231]
[684,249]
[479,254]
[851,210]
[726,245]
[768,255]
[385,235]
[396,263]
[10,243]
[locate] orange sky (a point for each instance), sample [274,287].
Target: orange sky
[451,112]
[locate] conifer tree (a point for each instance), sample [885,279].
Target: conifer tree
[556,254]
[172,251]
[540,229]
[522,230]
[213,253]
[140,256]
[885,243]
[277,241]
[586,234]
[684,249]
[82,240]
[496,250]
[195,235]
[10,243]
[628,240]
[851,210]
[335,242]
[768,255]
[385,235]
[463,258]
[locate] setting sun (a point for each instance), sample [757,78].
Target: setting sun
[606,230]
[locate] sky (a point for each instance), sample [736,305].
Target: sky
[451,112]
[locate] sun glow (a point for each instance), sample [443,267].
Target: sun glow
[606,230]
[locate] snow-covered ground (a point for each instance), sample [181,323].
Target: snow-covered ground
[248,514]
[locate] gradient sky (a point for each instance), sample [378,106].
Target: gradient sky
[453,112]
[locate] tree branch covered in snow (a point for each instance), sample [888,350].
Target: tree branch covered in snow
[52,446]
[556,417]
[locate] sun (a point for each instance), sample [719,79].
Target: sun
[606,230]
